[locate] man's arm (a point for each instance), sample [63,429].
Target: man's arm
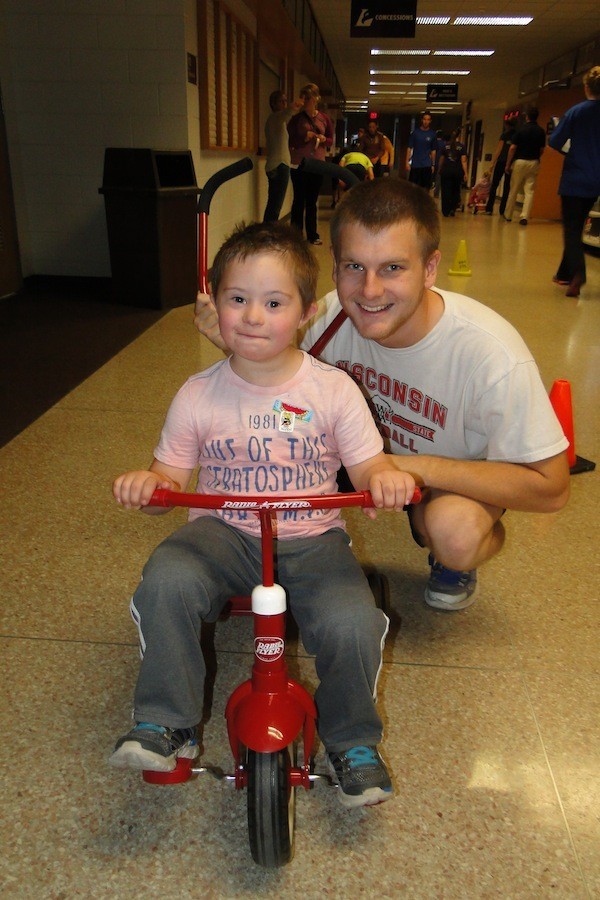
[207,322]
[390,485]
[497,152]
[511,155]
[390,150]
[533,487]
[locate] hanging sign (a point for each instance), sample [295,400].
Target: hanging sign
[383,18]
[437,92]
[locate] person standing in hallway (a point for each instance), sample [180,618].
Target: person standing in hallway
[523,163]
[577,135]
[453,172]
[373,145]
[440,143]
[498,167]
[386,163]
[308,139]
[360,133]
[451,383]
[420,157]
[277,167]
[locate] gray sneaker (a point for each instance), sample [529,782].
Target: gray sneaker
[154,748]
[450,589]
[361,775]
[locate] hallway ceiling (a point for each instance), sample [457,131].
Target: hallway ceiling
[557,28]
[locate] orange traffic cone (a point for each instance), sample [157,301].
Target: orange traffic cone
[560,398]
[460,265]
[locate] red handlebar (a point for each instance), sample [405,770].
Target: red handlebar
[165,497]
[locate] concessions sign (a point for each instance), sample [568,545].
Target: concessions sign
[437,92]
[383,18]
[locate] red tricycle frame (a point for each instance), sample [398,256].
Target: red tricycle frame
[268,712]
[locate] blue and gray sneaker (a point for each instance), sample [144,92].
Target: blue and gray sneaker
[448,589]
[361,775]
[154,748]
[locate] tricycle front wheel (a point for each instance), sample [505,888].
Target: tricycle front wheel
[271,808]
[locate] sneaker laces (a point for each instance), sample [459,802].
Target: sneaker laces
[149,726]
[361,756]
[450,576]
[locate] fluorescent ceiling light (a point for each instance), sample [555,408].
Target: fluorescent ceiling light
[492,20]
[390,83]
[463,52]
[433,20]
[393,72]
[394,93]
[443,72]
[400,52]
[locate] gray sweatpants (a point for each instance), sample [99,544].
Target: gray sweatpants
[192,574]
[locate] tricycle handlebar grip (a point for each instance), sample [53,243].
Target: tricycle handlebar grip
[215,181]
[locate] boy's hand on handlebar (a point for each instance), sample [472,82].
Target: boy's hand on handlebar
[133,490]
[390,489]
[206,321]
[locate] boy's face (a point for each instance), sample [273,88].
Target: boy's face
[259,307]
[382,282]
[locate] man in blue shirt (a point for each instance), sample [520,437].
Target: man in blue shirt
[420,160]
[578,136]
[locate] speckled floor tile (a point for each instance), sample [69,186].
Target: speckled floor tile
[476,813]
[567,709]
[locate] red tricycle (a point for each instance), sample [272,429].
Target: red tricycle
[267,713]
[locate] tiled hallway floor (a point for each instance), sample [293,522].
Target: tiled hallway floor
[492,714]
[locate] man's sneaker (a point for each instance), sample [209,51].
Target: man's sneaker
[361,775]
[449,589]
[154,748]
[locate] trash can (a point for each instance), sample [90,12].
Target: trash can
[150,199]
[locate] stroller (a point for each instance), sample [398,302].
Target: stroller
[478,197]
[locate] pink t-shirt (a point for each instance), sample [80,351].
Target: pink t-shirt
[270,440]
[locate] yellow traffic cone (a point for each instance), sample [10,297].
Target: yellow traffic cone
[461,264]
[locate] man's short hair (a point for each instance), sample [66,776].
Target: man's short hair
[379,204]
[275,97]
[532,113]
[270,237]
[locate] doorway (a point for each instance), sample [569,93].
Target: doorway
[10,266]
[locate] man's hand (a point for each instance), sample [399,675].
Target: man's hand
[206,321]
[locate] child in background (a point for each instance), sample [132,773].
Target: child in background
[479,196]
[268,419]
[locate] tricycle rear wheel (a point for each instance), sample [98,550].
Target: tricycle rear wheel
[271,808]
